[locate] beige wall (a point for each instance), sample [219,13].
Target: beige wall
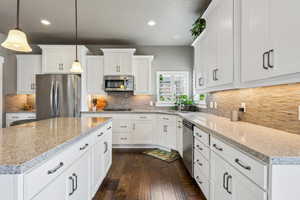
[275,107]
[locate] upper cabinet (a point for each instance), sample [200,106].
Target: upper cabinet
[247,44]
[214,48]
[94,75]
[27,67]
[270,43]
[142,70]
[59,58]
[118,61]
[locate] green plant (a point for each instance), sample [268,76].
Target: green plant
[198,26]
[184,100]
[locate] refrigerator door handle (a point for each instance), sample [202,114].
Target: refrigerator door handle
[51,99]
[56,99]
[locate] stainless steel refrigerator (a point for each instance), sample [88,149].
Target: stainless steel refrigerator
[58,95]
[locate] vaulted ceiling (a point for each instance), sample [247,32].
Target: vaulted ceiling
[106,21]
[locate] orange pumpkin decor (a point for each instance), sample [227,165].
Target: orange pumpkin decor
[101,103]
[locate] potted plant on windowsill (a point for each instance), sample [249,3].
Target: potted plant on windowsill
[184,103]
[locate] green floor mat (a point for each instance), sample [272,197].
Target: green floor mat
[163,155]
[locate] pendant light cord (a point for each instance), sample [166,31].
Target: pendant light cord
[76,28]
[18,14]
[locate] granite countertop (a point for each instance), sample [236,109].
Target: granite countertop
[25,146]
[270,146]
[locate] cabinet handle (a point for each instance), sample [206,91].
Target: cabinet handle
[100,134]
[269,58]
[200,81]
[106,147]
[72,186]
[218,148]
[52,171]
[76,181]
[200,136]
[224,182]
[165,118]
[201,149]
[165,128]
[143,117]
[108,128]
[198,180]
[199,163]
[242,165]
[227,184]
[84,147]
[123,126]
[61,66]
[216,77]
[264,61]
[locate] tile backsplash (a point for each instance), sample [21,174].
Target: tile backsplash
[16,103]
[124,100]
[275,107]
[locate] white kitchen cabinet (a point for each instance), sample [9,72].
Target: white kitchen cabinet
[228,183]
[27,67]
[179,139]
[167,131]
[59,58]
[78,179]
[142,70]
[142,132]
[118,61]
[220,43]
[269,42]
[94,75]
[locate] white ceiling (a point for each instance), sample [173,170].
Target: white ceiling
[106,21]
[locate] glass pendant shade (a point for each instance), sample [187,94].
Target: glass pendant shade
[16,41]
[76,67]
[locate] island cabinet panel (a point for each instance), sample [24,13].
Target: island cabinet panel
[73,174]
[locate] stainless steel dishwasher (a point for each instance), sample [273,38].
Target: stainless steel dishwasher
[188,143]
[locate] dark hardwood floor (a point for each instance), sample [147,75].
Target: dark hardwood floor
[135,176]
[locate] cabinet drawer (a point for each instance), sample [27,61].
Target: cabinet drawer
[121,126]
[202,181]
[250,167]
[201,163]
[168,118]
[201,136]
[200,147]
[122,139]
[38,178]
[143,117]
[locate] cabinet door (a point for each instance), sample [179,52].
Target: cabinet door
[224,74]
[94,75]
[79,172]
[126,63]
[179,140]
[68,57]
[107,152]
[254,39]
[284,36]
[142,75]
[112,64]
[55,190]
[27,67]
[200,62]
[220,172]
[142,132]
[52,61]
[98,166]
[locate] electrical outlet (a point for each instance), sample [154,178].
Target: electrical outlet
[216,105]
[243,105]
[211,104]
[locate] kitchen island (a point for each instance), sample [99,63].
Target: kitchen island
[55,158]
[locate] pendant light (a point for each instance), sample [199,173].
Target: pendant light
[16,39]
[76,66]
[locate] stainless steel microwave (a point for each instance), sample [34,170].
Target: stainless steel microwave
[119,83]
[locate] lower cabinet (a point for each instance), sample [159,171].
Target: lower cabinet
[142,132]
[228,183]
[70,185]
[76,180]
[167,134]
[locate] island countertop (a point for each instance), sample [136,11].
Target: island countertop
[24,146]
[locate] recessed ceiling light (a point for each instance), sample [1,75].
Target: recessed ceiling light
[45,22]
[151,23]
